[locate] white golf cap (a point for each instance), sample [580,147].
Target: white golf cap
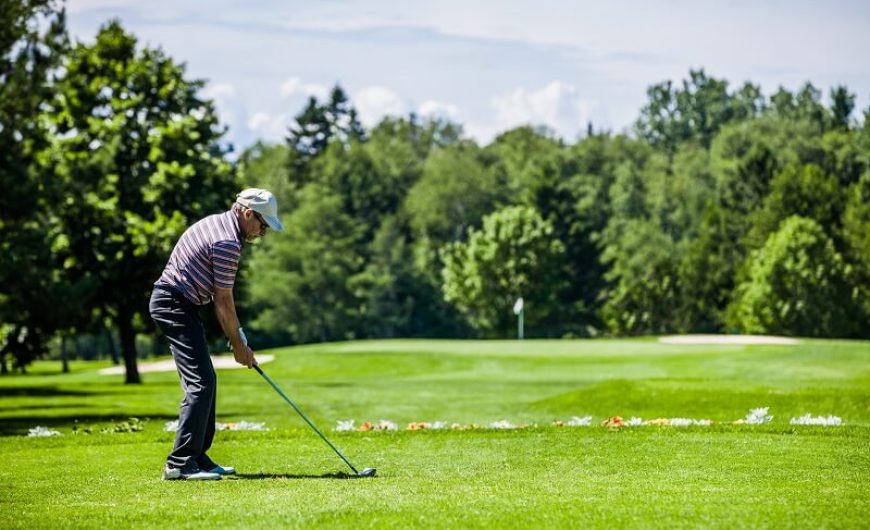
[264,203]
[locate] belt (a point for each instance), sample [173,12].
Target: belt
[171,289]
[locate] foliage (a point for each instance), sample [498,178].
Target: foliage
[643,269]
[318,125]
[299,279]
[804,191]
[513,254]
[694,112]
[798,284]
[33,288]
[108,152]
[137,159]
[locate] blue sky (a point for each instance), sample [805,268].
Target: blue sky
[490,65]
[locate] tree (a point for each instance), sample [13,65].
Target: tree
[643,269]
[315,128]
[841,156]
[798,284]
[34,294]
[520,160]
[856,220]
[264,165]
[514,254]
[349,172]
[574,194]
[856,234]
[395,299]
[805,191]
[694,112]
[707,274]
[453,194]
[678,190]
[743,164]
[842,105]
[386,287]
[138,159]
[299,282]
[804,106]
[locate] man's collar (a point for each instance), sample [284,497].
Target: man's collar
[237,225]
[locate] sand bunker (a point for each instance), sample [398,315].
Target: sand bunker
[727,339]
[221,362]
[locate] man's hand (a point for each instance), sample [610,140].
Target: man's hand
[244,355]
[225,309]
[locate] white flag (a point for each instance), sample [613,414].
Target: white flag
[518,307]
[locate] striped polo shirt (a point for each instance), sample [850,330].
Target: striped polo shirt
[206,255]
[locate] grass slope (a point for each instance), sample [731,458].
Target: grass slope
[725,476]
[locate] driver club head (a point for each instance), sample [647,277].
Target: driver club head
[367,472]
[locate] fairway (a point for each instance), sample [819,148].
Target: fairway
[724,475]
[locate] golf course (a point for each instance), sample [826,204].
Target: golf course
[514,446]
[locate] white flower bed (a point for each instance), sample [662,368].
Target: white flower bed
[241,426]
[758,416]
[39,432]
[808,419]
[345,425]
[172,426]
[577,421]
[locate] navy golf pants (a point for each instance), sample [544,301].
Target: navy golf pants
[179,321]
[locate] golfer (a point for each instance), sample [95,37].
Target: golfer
[201,269]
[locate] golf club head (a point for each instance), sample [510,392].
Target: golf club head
[367,472]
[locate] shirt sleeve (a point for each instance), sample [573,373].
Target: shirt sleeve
[225,263]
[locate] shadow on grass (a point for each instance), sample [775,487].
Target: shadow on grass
[20,426]
[271,476]
[42,391]
[333,385]
[14,408]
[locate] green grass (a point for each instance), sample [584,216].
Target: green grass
[724,476]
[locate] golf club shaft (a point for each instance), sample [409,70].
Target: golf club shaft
[304,417]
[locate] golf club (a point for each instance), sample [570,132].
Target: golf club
[367,472]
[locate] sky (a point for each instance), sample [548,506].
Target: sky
[489,65]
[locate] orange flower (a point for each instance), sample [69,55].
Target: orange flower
[366,426]
[615,421]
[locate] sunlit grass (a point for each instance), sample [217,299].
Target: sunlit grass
[726,475]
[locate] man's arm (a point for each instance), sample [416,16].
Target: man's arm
[225,309]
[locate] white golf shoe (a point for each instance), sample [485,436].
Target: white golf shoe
[221,470]
[190,473]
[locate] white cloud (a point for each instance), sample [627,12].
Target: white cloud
[258,120]
[437,109]
[295,86]
[229,106]
[78,6]
[269,127]
[218,90]
[482,132]
[375,102]
[610,58]
[557,105]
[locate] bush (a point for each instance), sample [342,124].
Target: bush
[797,284]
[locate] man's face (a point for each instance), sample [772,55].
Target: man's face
[257,226]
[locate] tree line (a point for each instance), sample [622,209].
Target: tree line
[723,210]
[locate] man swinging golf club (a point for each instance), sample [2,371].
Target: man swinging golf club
[201,269]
